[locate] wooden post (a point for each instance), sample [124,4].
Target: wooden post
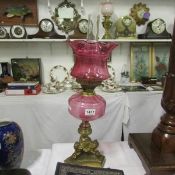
[163,135]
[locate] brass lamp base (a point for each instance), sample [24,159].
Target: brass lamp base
[86,153]
[86,159]
[107,24]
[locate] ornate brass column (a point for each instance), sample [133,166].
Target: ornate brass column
[163,135]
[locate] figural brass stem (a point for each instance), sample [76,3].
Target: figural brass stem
[86,152]
[163,135]
[107,25]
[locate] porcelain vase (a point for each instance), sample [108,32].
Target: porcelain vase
[11,145]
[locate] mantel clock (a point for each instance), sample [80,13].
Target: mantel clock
[125,27]
[156,29]
[46,30]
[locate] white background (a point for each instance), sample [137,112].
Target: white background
[59,53]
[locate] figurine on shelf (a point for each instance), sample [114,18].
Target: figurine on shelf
[124,74]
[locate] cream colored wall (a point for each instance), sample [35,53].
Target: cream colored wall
[59,53]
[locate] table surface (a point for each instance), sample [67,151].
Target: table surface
[118,156]
[45,119]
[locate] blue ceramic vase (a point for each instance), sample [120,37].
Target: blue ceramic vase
[11,145]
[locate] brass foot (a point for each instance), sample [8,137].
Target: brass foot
[86,152]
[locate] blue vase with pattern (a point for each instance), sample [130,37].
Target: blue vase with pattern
[11,145]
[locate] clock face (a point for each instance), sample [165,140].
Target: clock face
[17,31]
[3,33]
[158,26]
[83,26]
[127,21]
[46,25]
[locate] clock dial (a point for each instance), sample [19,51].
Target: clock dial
[127,21]
[158,26]
[46,25]
[3,33]
[18,32]
[83,26]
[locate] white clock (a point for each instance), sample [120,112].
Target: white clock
[83,26]
[3,33]
[46,25]
[127,20]
[158,26]
[18,32]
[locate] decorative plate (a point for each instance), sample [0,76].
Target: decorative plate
[110,84]
[52,88]
[74,83]
[112,76]
[140,12]
[59,74]
[53,91]
[111,89]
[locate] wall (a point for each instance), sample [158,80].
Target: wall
[59,53]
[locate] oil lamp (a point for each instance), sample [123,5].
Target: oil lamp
[90,69]
[107,10]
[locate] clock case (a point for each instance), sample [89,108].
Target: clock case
[149,34]
[18,36]
[50,35]
[77,33]
[3,33]
[124,31]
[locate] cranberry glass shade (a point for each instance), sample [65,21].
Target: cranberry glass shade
[90,69]
[91,60]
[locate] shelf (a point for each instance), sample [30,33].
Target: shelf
[31,40]
[137,40]
[105,40]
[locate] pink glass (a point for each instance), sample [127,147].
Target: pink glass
[87,108]
[90,69]
[91,60]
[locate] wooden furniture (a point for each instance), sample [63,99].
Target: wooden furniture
[157,150]
[164,134]
[154,161]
